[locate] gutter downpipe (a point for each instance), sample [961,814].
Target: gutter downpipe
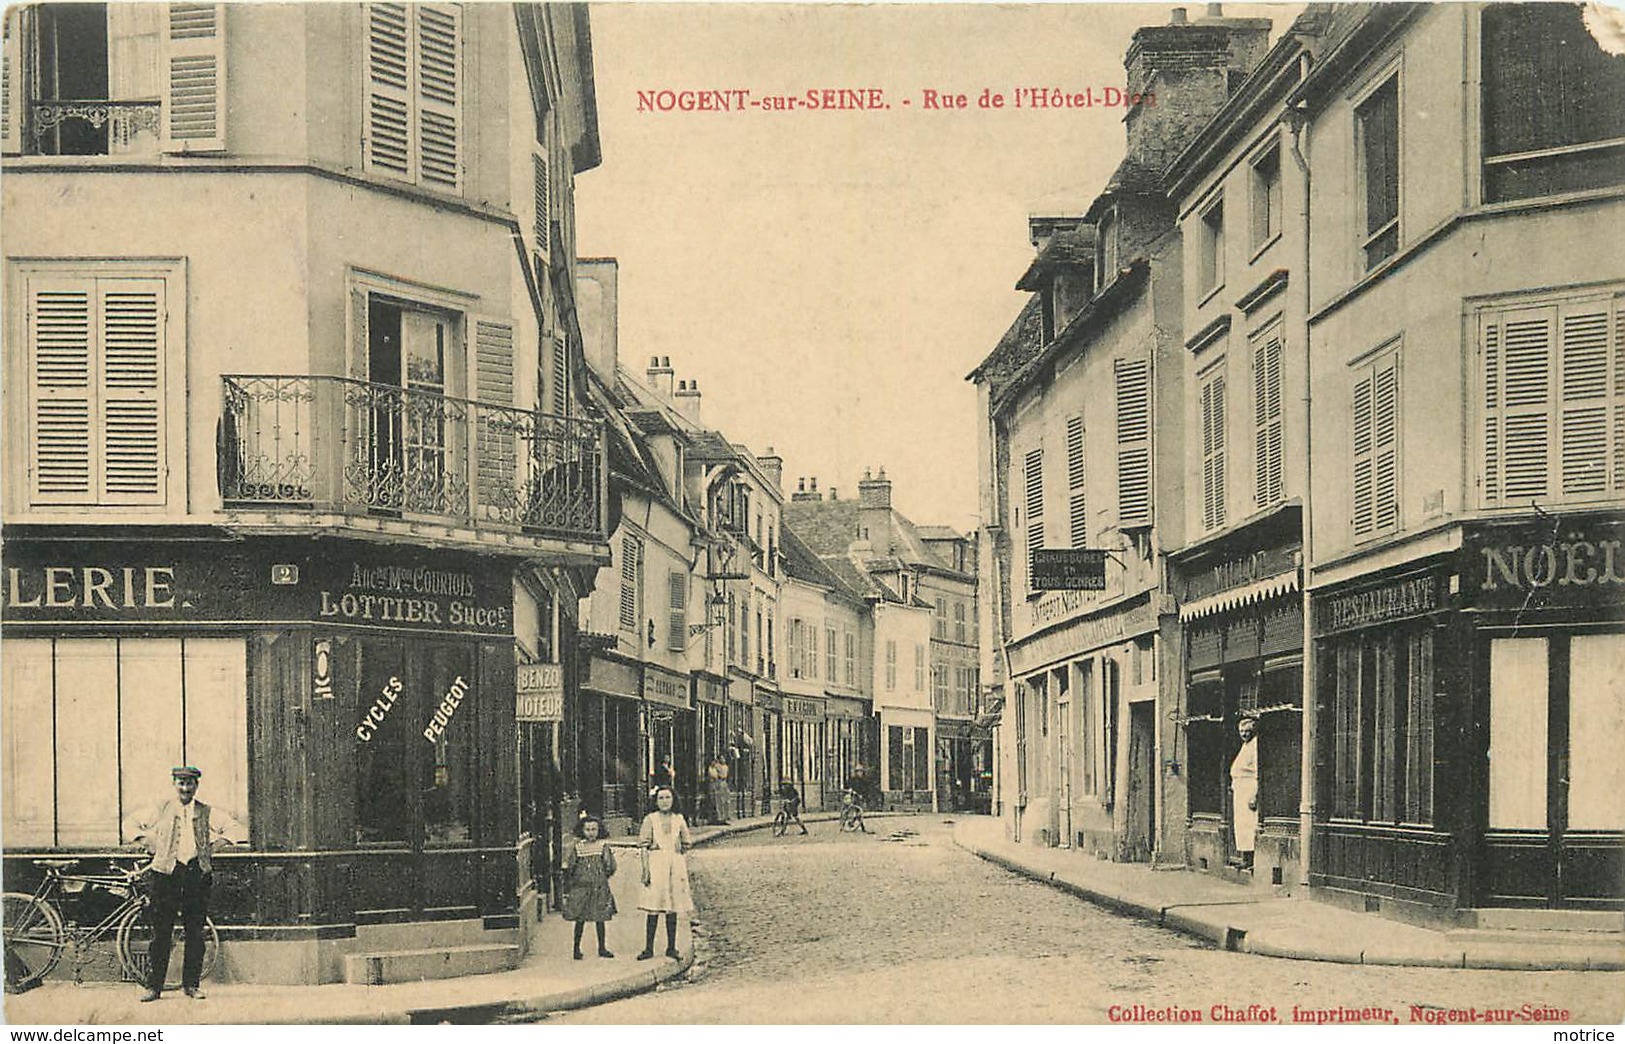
[1296,119]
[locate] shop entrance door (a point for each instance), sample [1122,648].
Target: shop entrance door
[1554,836]
[1142,781]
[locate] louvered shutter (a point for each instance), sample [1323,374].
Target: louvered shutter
[11,78]
[1267,445]
[561,376]
[1364,511]
[629,583]
[61,317]
[677,611]
[194,98]
[1385,441]
[439,95]
[389,141]
[541,226]
[1077,508]
[1583,365]
[1213,452]
[498,428]
[1133,386]
[1033,473]
[1618,396]
[1518,361]
[131,388]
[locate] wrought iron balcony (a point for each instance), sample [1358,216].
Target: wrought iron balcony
[332,444]
[92,127]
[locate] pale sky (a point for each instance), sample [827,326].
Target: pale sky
[831,277]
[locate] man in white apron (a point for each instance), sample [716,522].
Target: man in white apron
[1244,789]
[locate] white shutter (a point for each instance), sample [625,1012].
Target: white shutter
[1213,451]
[61,390]
[1490,359]
[439,95]
[388,142]
[629,583]
[1268,480]
[11,81]
[561,376]
[1363,493]
[194,98]
[542,224]
[1033,470]
[493,376]
[1077,508]
[1618,396]
[1385,441]
[1133,386]
[1584,394]
[677,606]
[131,389]
[1525,400]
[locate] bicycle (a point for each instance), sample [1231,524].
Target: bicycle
[787,814]
[852,813]
[36,932]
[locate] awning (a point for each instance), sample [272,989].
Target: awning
[1236,597]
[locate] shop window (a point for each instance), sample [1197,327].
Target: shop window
[1552,121]
[1206,743]
[1376,122]
[1382,727]
[71,787]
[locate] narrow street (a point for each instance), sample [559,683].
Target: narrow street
[901,926]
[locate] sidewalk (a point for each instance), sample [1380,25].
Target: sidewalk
[547,980]
[1237,918]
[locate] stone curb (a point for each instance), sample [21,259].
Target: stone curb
[1197,920]
[564,1000]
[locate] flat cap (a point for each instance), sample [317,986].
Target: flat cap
[185,772]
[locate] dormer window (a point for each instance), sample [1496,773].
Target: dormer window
[1107,258]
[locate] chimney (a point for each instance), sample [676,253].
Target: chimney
[803,494]
[596,285]
[688,400]
[660,376]
[773,464]
[1190,68]
[1042,228]
[875,492]
[832,495]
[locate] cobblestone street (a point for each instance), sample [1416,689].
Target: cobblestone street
[901,926]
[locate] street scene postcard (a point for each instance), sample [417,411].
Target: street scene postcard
[872,514]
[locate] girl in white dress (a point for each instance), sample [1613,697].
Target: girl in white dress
[664,839]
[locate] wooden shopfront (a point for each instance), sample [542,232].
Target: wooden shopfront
[353,702]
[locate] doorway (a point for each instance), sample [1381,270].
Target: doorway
[418,425]
[1554,837]
[1140,810]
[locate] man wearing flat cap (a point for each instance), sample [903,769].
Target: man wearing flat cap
[181,835]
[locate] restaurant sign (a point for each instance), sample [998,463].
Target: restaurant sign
[1396,600]
[539,693]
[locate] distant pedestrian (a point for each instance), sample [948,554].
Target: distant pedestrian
[717,777]
[181,835]
[665,840]
[588,865]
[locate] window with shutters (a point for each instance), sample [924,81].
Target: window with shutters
[559,380]
[1133,387]
[959,621]
[1212,409]
[1268,422]
[1376,130]
[414,94]
[849,657]
[891,664]
[676,610]
[939,618]
[1375,416]
[1077,507]
[733,632]
[1033,484]
[829,654]
[1552,118]
[1552,380]
[772,650]
[631,583]
[99,348]
[919,668]
[114,79]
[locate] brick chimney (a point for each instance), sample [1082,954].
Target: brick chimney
[660,377]
[803,494]
[1191,68]
[874,510]
[688,400]
[875,492]
[773,464]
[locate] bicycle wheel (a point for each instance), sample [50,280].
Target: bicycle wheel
[34,939]
[781,823]
[135,937]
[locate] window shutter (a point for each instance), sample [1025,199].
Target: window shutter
[1268,481]
[194,98]
[439,94]
[1034,476]
[1133,377]
[61,391]
[1583,425]
[561,376]
[1385,441]
[1213,452]
[629,584]
[1363,493]
[493,379]
[1619,394]
[541,227]
[132,381]
[1077,508]
[677,616]
[388,142]
[11,77]
[1524,398]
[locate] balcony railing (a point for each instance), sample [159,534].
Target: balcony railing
[332,444]
[94,127]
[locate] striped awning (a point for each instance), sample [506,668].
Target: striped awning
[1236,597]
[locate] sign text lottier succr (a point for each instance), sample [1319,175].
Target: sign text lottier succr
[1074,569]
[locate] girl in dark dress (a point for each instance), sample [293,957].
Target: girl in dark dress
[588,864]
